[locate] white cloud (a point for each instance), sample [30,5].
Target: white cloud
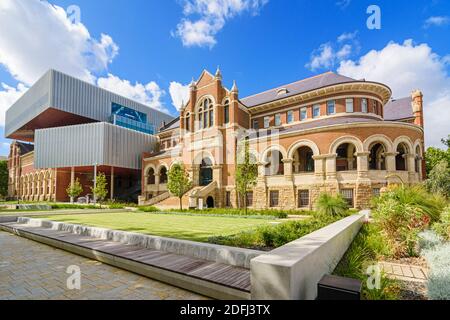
[405,67]
[331,53]
[149,94]
[179,94]
[36,36]
[213,15]
[436,21]
[8,96]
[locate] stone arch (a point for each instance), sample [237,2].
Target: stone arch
[403,139]
[163,171]
[302,143]
[202,155]
[418,157]
[346,139]
[275,147]
[380,138]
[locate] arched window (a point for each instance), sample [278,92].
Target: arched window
[206,172]
[151,176]
[377,157]
[205,114]
[274,164]
[303,160]
[346,159]
[226,112]
[187,122]
[163,175]
[401,161]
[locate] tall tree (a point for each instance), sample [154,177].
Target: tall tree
[3,178]
[246,171]
[439,179]
[179,183]
[100,191]
[74,190]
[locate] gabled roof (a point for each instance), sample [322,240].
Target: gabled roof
[25,147]
[175,123]
[399,109]
[316,82]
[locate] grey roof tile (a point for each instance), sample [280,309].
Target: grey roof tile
[319,81]
[398,109]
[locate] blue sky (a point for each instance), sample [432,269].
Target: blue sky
[260,43]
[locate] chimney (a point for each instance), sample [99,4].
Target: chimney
[417,107]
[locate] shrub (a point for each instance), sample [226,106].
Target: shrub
[439,179]
[241,212]
[329,205]
[442,227]
[149,209]
[428,240]
[272,236]
[73,206]
[403,212]
[116,205]
[363,252]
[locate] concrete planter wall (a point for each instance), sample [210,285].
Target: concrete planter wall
[222,254]
[291,272]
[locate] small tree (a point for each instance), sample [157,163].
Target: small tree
[179,182]
[74,190]
[439,179]
[100,191]
[246,172]
[3,178]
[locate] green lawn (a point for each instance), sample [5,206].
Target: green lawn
[196,228]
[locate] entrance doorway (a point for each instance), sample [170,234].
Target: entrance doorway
[210,202]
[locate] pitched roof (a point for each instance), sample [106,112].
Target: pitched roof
[175,123]
[308,84]
[25,147]
[398,109]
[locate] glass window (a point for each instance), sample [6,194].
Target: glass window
[278,119]
[376,192]
[290,116]
[347,194]
[303,114]
[228,199]
[303,198]
[364,105]
[349,105]
[331,107]
[316,110]
[274,198]
[211,118]
[374,106]
[255,124]
[266,122]
[226,113]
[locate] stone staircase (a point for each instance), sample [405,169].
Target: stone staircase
[163,196]
[190,198]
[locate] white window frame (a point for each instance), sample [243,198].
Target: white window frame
[364,105]
[316,107]
[278,119]
[349,107]
[328,107]
[290,116]
[266,122]
[305,111]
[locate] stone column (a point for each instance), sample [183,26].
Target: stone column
[157,179]
[260,190]
[411,163]
[287,163]
[331,184]
[363,191]
[195,175]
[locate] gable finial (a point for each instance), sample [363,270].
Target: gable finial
[218,74]
[234,89]
[192,85]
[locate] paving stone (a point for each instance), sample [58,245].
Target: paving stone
[36,271]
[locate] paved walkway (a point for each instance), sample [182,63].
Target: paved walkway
[404,272]
[30,270]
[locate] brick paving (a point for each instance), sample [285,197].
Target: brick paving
[30,270]
[404,272]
